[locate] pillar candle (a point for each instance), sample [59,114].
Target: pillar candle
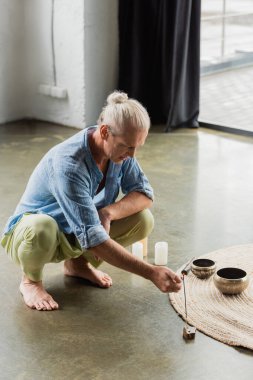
[137,250]
[161,253]
[145,246]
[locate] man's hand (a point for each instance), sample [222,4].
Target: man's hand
[104,217]
[166,280]
[113,253]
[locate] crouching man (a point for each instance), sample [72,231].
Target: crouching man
[69,210]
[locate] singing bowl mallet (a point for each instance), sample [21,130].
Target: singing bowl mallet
[188,331]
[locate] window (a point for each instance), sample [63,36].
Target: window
[226,86]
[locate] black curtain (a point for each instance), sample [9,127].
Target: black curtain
[159,58]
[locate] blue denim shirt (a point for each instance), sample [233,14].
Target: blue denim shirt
[64,184]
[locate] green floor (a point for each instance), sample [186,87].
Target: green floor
[203,183]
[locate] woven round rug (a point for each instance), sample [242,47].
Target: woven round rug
[227,318]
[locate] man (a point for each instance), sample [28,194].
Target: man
[69,211]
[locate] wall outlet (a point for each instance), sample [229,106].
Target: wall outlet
[53,91]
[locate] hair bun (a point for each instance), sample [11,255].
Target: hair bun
[117,97]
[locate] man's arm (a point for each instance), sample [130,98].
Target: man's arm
[130,204]
[113,253]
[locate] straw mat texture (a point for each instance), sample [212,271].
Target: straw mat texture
[227,318]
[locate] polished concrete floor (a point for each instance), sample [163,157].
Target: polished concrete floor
[203,183]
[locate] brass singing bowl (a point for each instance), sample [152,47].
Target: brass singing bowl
[231,280]
[203,268]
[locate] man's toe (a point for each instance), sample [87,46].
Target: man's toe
[107,281]
[47,305]
[54,305]
[107,278]
[38,306]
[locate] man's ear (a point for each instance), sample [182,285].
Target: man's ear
[104,131]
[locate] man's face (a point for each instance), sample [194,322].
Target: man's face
[118,148]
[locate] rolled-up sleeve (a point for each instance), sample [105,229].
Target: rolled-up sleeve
[72,192]
[134,179]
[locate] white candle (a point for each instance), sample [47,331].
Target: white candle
[161,253]
[137,250]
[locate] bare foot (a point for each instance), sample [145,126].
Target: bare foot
[81,268]
[35,296]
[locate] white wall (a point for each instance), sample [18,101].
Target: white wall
[69,52]
[11,60]
[86,45]
[101,54]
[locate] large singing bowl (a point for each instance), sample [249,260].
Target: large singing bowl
[231,280]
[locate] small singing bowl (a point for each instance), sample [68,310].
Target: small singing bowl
[203,268]
[231,280]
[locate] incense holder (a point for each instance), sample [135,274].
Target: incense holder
[203,268]
[189,332]
[231,280]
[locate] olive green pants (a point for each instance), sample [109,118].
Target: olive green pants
[37,240]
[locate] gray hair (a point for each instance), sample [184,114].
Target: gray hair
[121,112]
